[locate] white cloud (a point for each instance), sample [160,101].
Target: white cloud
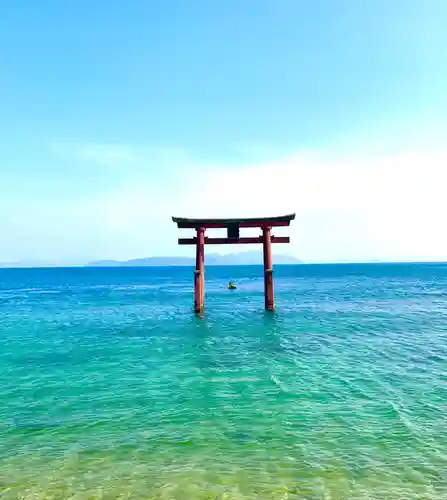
[350,208]
[347,208]
[122,156]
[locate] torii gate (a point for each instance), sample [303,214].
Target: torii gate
[232,226]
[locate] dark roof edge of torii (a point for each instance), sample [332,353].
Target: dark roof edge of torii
[283,220]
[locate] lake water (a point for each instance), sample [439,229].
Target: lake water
[111,388]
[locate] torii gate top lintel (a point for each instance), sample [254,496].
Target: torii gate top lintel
[185,223]
[233,226]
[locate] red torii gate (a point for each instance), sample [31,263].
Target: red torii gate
[232,226]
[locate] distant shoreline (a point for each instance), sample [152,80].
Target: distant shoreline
[191,265]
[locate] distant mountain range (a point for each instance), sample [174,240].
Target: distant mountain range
[233,259]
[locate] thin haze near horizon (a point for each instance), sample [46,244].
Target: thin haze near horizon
[117,116]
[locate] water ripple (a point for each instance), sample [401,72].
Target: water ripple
[111,388]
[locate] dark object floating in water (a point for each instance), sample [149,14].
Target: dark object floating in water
[232,285]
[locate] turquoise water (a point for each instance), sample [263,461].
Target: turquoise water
[111,388]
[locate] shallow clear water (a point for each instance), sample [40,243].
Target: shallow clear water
[111,388]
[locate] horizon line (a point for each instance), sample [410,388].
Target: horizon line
[316,263]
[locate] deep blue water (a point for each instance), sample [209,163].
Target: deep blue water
[111,388]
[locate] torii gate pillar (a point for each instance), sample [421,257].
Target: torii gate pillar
[232,226]
[269,297]
[199,279]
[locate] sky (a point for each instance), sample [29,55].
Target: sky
[117,115]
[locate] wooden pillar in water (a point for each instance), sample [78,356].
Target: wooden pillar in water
[268,269]
[199,278]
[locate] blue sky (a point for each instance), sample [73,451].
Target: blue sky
[117,115]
